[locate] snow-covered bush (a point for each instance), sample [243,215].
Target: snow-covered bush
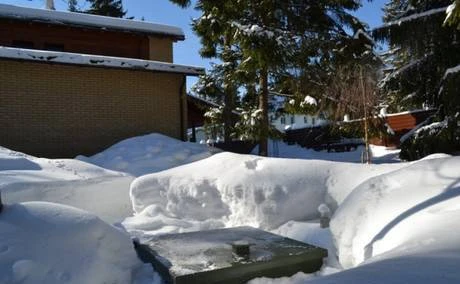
[436,137]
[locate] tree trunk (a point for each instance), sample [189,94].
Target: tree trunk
[229,97]
[367,156]
[227,113]
[263,106]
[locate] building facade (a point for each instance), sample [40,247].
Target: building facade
[75,83]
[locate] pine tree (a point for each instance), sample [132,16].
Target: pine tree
[424,58]
[110,8]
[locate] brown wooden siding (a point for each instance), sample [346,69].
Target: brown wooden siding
[76,40]
[401,124]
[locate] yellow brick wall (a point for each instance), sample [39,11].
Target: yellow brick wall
[160,49]
[56,110]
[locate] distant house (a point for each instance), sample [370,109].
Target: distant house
[401,124]
[282,120]
[287,121]
[76,83]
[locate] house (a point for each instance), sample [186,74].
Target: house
[76,83]
[283,121]
[196,111]
[401,124]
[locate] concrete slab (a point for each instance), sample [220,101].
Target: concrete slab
[221,256]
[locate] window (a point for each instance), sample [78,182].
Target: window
[313,121]
[272,118]
[292,119]
[22,44]
[305,119]
[283,120]
[54,46]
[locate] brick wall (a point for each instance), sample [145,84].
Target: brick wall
[55,110]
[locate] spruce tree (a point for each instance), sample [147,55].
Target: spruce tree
[110,8]
[424,59]
[269,37]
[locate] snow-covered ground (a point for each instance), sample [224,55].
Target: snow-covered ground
[392,222]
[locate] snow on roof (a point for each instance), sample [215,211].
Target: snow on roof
[87,20]
[410,112]
[96,60]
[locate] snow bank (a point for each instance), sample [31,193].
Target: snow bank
[19,167]
[71,182]
[148,154]
[49,243]
[408,212]
[230,189]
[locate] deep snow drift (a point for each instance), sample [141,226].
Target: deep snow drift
[232,190]
[413,210]
[65,181]
[148,154]
[394,223]
[50,243]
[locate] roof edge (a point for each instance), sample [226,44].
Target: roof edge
[45,56]
[87,20]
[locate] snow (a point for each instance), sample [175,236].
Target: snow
[406,215]
[452,70]
[309,101]
[81,19]
[391,222]
[95,60]
[432,128]
[148,154]
[49,243]
[449,12]
[380,154]
[363,33]
[254,30]
[416,16]
[66,181]
[238,190]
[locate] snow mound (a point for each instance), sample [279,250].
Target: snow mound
[148,154]
[50,243]
[19,167]
[412,211]
[234,190]
[66,181]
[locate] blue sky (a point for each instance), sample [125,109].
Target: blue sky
[162,11]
